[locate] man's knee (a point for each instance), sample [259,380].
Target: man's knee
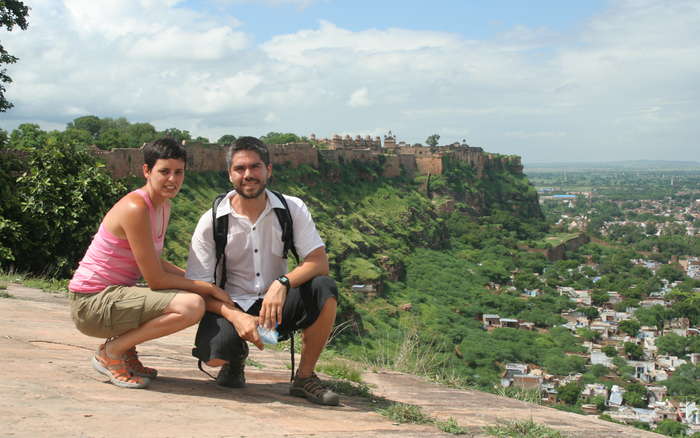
[325,285]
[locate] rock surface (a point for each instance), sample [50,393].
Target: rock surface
[48,388]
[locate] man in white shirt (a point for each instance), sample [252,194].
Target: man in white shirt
[262,290]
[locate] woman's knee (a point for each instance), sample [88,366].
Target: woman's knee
[189,305]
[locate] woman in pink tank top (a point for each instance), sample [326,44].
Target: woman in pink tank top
[105,301]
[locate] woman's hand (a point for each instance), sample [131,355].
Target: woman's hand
[247,328]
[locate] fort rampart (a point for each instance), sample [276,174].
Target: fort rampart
[413,160]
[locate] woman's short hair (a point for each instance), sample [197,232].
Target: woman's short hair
[163,148]
[248,144]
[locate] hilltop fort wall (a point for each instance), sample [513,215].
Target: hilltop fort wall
[393,157]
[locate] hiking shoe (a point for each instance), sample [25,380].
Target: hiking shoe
[136,367]
[232,374]
[117,370]
[313,390]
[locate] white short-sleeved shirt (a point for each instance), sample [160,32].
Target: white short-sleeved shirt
[253,251]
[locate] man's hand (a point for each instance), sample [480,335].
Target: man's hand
[272,305]
[247,328]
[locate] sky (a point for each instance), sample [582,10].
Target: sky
[551,81]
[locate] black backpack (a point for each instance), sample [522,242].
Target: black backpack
[220,226]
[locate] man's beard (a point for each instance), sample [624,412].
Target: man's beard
[239,191]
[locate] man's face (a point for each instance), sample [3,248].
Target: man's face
[248,174]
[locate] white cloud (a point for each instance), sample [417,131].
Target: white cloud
[617,86]
[359,98]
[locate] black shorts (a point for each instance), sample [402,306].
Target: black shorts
[217,338]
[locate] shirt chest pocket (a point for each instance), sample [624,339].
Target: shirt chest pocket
[274,240]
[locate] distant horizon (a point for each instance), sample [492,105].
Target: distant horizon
[549,81]
[661,165]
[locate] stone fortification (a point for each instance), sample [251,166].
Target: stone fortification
[394,156]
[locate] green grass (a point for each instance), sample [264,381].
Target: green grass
[526,395]
[341,370]
[254,363]
[523,429]
[405,413]
[451,426]
[349,389]
[47,284]
[5,294]
[44,283]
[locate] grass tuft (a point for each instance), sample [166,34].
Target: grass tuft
[451,426]
[341,370]
[523,429]
[406,413]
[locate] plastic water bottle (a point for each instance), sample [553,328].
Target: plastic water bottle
[268,336]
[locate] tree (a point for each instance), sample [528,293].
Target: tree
[655,315]
[599,370]
[685,381]
[4,139]
[671,428]
[63,193]
[670,273]
[432,140]
[630,326]
[599,297]
[569,393]
[279,138]
[671,343]
[27,136]
[633,351]
[588,334]
[609,350]
[590,313]
[177,134]
[90,124]
[226,139]
[12,13]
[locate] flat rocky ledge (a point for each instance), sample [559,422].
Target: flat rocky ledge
[48,388]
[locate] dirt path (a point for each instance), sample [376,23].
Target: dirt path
[48,388]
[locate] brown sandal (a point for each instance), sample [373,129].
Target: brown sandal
[136,367]
[117,370]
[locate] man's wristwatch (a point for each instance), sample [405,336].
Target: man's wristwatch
[285,281]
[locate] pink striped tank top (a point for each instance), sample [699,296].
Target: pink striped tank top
[109,260]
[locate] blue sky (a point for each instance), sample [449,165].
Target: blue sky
[469,18]
[550,81]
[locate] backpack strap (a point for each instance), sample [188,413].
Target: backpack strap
[285,220]
[220,228]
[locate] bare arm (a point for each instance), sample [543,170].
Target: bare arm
[313,265]
[171,268]
[246,325]
[131,215]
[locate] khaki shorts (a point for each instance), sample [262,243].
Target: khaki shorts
[117,309]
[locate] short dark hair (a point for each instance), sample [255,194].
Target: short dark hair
[248,144]
[163,148]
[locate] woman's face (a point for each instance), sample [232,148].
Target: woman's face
[166,176]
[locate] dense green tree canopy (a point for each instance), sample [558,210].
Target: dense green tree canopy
[226,139]
[279,138]
[53,209]
[432,140]
[12,13]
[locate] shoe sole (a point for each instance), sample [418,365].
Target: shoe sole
[300,392]
[130,385]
